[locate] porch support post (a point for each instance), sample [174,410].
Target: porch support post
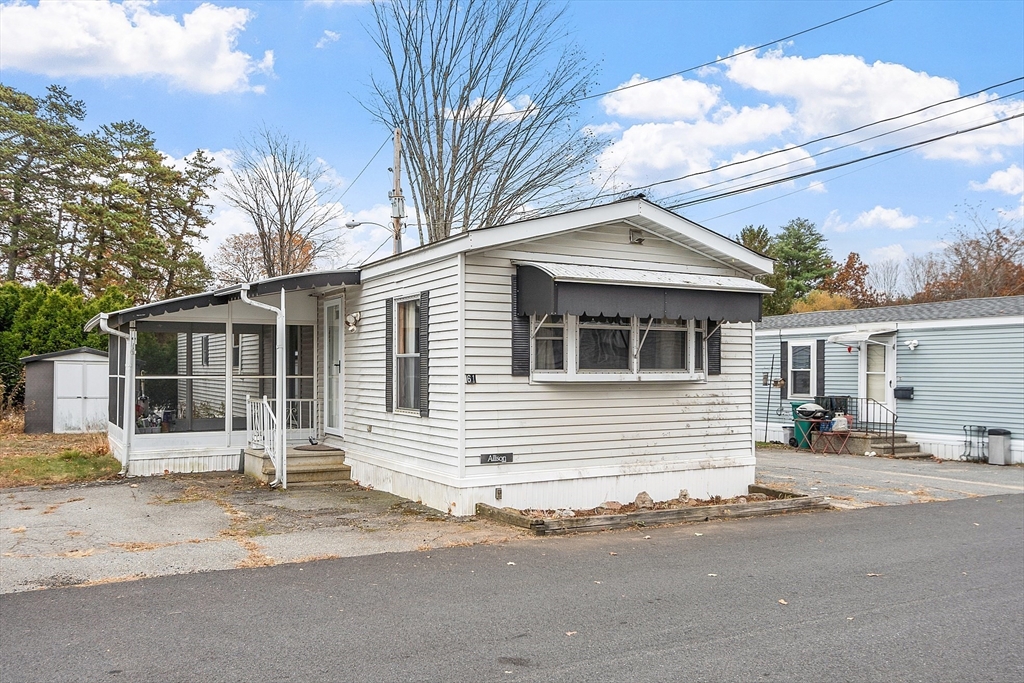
[129,394]
[279,375]
[282,397]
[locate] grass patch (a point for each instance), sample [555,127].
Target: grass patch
[64,467]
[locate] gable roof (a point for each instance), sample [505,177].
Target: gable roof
[59,354]
[636,211]
[937,310]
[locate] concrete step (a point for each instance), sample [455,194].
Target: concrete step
[905,446]
[303,466]
[909,455]
[298,474]
[308,459]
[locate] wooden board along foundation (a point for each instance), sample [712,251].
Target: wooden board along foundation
[562,525]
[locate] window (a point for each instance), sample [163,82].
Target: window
[616,348]
[604,343]
[800,364]
[407,354]
[205,359]
[549,344]
[236,351]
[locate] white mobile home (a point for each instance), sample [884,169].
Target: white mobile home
[560,361]
[932,368]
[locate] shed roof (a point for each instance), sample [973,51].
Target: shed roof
[939,310]
[57,354]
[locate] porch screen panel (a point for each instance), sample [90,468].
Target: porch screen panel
[255,372]
[180,377]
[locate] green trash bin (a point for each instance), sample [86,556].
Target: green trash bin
[801,427]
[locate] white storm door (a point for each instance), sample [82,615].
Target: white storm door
[879,370]
[334,366]
[68,404]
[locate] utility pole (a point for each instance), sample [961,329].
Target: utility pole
[397,201]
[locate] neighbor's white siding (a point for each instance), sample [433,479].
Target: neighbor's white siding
[579,431]
[424,446]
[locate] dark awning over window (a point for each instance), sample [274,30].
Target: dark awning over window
[560,289]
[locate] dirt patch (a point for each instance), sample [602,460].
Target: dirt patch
[140,547]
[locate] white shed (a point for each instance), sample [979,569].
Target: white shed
[66,391]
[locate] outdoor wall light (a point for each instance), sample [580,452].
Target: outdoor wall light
[912,344]
[351,320]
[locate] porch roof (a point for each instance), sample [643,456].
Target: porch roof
[324,278]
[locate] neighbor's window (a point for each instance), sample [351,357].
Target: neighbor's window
[663,344]
[549,344]
[407,354]
[604,343]
[800,369]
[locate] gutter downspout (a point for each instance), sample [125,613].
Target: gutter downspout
[129,384]
[281,478]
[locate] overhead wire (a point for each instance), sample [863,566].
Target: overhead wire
[359,175]
[797,176]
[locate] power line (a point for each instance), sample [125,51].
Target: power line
[386,141]
[797,176]
[821,153]
[719,60]
[845,132]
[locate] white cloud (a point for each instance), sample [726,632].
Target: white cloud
[327,38]
[817,186]
[671,99]
[878,217]
[666,149]
[892,252]
[838,92]
[107,39]
[1010,181]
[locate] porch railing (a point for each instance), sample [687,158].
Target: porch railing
[261,433]
[864,415]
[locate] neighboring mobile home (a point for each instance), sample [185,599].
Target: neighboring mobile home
[936,367]
[561,361]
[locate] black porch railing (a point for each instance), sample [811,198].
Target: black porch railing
[863,415]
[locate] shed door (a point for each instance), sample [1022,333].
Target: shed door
[69,392]
[80,397]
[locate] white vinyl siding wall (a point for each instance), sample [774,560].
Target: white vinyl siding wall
[403,440]
[569,427]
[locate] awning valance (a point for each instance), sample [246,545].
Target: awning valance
[561,289]
[854,338]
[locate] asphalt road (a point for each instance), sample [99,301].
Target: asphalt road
[905,593]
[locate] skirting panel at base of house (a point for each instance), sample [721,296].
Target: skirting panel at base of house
[946,447]
[182,462]
[726,480]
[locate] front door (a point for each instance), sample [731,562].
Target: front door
[878,370]
[333,347]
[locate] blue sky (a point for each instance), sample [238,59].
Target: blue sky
[202,74]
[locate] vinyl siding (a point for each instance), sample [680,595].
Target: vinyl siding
[404,440]
[574,426]
[962,376]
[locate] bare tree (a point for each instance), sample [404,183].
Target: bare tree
[985,258]
[285,190]
[885,278]
[485,93]
[239,258]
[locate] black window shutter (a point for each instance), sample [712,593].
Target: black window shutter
[389,355]
[784,369]
[520,337]
[714,360]
[820,359]
[424,354]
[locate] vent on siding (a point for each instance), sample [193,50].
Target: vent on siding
[389,355]
[424,355]
[520,337]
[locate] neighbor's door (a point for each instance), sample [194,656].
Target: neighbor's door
[878,371]
[333,362]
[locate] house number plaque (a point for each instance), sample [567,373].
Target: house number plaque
[495,458]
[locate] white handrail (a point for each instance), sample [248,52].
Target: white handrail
[261,432]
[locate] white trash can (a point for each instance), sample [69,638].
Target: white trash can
[999,447]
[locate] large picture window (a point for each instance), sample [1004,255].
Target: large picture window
[407,354]
[614,348]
